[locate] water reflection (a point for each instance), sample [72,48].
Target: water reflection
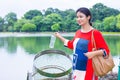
[114,44]
[32,45]
[15,66]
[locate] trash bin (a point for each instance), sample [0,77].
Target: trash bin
[52,65]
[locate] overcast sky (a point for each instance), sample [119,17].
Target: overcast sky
[21,6]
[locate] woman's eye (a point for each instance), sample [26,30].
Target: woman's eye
[81,16]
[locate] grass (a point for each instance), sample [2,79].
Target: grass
[111,32]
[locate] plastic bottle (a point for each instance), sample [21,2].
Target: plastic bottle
[52,41]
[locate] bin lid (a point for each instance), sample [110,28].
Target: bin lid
[52,63]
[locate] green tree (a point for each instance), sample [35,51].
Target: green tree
[37,20]
[49,20]
[54,18]
[1,24]
[110,23]
[49,11]
[55,27]
[100,11]
[9,20]
[118,22]
[69,20]
[18,25]
[32,13]
[28,27]
[98,25]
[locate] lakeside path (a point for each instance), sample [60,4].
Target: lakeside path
[25,34]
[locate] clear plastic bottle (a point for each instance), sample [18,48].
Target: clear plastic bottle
[52,41]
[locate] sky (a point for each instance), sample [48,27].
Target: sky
[20,7]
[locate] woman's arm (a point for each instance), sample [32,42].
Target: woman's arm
[57,34]
[67,43]
[94,53]
[102,48]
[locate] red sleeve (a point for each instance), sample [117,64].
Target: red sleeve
[70,44]
[100,41]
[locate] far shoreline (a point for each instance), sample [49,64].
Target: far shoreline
[27,34]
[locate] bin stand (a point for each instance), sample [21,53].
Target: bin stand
[119,70]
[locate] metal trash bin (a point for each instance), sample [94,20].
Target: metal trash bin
[51,65]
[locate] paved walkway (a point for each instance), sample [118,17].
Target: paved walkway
[15,34]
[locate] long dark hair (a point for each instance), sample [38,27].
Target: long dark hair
[85,11]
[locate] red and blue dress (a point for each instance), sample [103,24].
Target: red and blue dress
[81,43]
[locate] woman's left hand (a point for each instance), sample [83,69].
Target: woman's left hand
[89,55]
[93,53]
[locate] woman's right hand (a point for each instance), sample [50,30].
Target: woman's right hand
[57,34]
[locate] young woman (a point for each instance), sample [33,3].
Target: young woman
[82,46]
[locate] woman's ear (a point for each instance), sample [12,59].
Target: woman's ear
[88,17]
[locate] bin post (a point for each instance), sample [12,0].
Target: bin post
[119,70]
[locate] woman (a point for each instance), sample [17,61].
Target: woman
[82,46]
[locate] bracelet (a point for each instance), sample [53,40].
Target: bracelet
[104,53]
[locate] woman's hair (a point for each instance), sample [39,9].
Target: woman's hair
[85,11]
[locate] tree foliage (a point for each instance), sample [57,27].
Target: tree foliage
[18,25]
[100,11]
[32,13]
[1,24]
[103,18]
[55,27]
[118,22]
[28,27]
[109,23]
[9,21]
[37,20]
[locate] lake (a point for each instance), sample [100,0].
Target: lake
[17,52]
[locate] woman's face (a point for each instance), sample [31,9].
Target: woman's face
[82,19]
